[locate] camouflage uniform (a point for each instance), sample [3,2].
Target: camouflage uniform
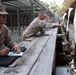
[35,26]
[5,39]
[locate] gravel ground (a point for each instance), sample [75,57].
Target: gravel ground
[16,37]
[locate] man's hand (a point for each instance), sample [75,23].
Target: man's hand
[4,51]
[16,48]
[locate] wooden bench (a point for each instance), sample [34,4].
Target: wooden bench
[38,59]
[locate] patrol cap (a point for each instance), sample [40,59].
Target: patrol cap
[2,10]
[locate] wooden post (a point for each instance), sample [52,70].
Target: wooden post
[23,24]
[18,21]
[22,20]
[69,11]
[11,21]
[32,11]
[64,19]
[64,22]
[75,37]
[0,2]
[15,20]
[67,32]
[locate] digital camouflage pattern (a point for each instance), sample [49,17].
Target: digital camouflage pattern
[5,38]
[35,26]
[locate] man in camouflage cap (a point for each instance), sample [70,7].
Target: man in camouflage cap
[5,39]
[37,25]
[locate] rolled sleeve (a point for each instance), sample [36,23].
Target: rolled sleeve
[8,41]
[42,31]
[42,24]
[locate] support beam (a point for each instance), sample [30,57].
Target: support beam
[64,21]
[13,5]
[75,37]
[32,11]
[18,21]
[70,9]
[7,0]
[11,21]
[0,2]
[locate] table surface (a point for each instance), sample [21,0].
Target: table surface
[38,59]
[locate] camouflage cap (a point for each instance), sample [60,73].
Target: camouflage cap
[2,10]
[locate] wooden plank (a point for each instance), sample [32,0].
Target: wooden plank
[27,45]
[26,62]
[65,4]
[2,70]
[44,63]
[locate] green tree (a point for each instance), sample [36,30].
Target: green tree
[53,7]
[45,4]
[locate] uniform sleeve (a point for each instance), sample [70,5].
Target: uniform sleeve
[8,41]
[47,24]
[42,31]
[42,24]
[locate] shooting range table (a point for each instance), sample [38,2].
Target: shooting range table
[38,59]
